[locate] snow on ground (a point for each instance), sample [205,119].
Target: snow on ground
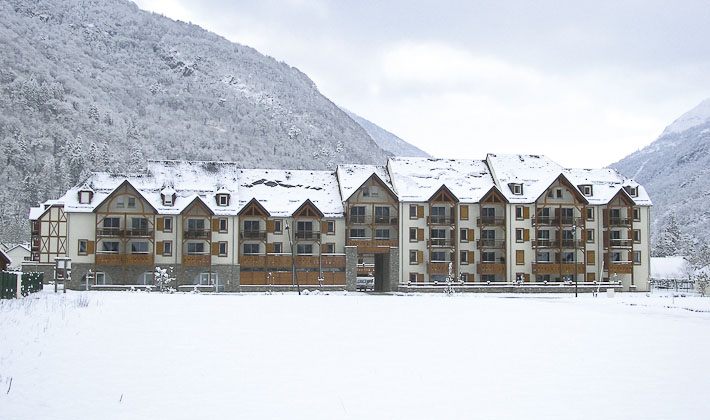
[138,355]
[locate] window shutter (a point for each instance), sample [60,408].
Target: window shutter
[420,235]
[420,277]
[606,239]
[215,248]
[471,235]
[324,249]
[605,216]
[464,212]
[324,227]
[520,257]
[420,257]
[471,257]
[159,248]
[526,212]
[215,225]
[420,212]
[631,234]
[591,258]
[160,223]
[526,277]
[270,226]
[591,277]
[89,247]
[606,260]
[526,235]
[269,248]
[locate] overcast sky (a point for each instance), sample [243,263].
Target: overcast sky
[464,78]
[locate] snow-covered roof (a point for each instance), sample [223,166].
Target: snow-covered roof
[23,246]
[282,192]
[669,268]
[417,179]
[4,257]
[606,183]
[351,177]
[535,172]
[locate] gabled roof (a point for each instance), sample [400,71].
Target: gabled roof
[605,183]
[445,190]
[257,204]
[308,203]
[196,198]
[417,179]
[563,179]
[352,177]
[535,172]
[115,190]
[4,257]
[282,192]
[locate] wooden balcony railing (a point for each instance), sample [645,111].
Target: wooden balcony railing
[307,261]
[619,221]
[196,260]
[139,259]
[621,243]
[109,232]
[252,260]
[109,259]
[139,233]
[333,260]
[490,221]
[278,260]
[439,267]
[369,242]
[491,243]
[490,268]
[621,267]
[555,268]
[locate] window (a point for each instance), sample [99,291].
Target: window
[167,199]
[412,211]
[586,190]
[101,278]
[463,276]
[131,202]
[84,197]
[109,247]
[83,246]
[551,194]
[304,226]
[488,257]
[637,236]
[559,193]
[543,235]
[567,257]
[357,233]
[567,235]
[206,279]
[463,234]
[518,235]
[196,224]
[590,235]
[637,214]
[330,227]
[615,256]
[278,226]
[304,249]
[413,257]
[223,200]
[223,225]
[439,234]
[139,224]
[357,214]
[543,278]
[167,224]
[139,247]
[518,212]
[464,257]
[366,192]
[251,249]
[516,189]
[438,214]
[382,214]
[383,234]
[637,257]
[120,203]
[412,277]
[412,234]
[488,278]
[112,222]
[590,213]
[543,213]
[195,248]
[330,248]
[222,251]
[439,256]
[167,248]
[251,225]
[488,234]
[632,191]
[278,248]
[543,257]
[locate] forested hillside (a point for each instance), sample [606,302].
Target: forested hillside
[102,85]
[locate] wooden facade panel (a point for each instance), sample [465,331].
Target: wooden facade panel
[420,212]
[196,260]
[139,259]
[438,268]
[591,257]
[420,235]
[252,260]
[278,260]
[519,257]
[617,268]
[490,268]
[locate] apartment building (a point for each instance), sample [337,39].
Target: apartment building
[508,222]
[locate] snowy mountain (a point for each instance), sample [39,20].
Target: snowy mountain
[386,140]
[675,169]
[102,85]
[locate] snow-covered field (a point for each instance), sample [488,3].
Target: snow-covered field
[135,355]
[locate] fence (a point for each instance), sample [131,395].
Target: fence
[29,283]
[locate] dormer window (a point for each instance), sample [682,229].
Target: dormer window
[85,197]
[632,191]
[516,189]
[222,200]
[167,200]
[586,190]
[167,195]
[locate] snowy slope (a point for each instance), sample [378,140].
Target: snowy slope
[675,169]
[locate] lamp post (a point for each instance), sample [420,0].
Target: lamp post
[294,278]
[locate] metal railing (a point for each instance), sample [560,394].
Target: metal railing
[491,243]
[490,221]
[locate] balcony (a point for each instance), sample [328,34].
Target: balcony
[545,221]
[196,260]
[554,268]
[491,243]
[621,267]
[490,268]
[196,234]
[139,233]
[490,221]
[365,269]
[385,220]
[439,267]
[569,221]
[333,260]
[358,220]
[109,259]
[277,260]
[253,260]
[371,243]
[109,232]
[439,220]
[139,259]
[441,242]
[619,221]
[621,243]
[307,235]
[571,243]
[259,235]
[307,261]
